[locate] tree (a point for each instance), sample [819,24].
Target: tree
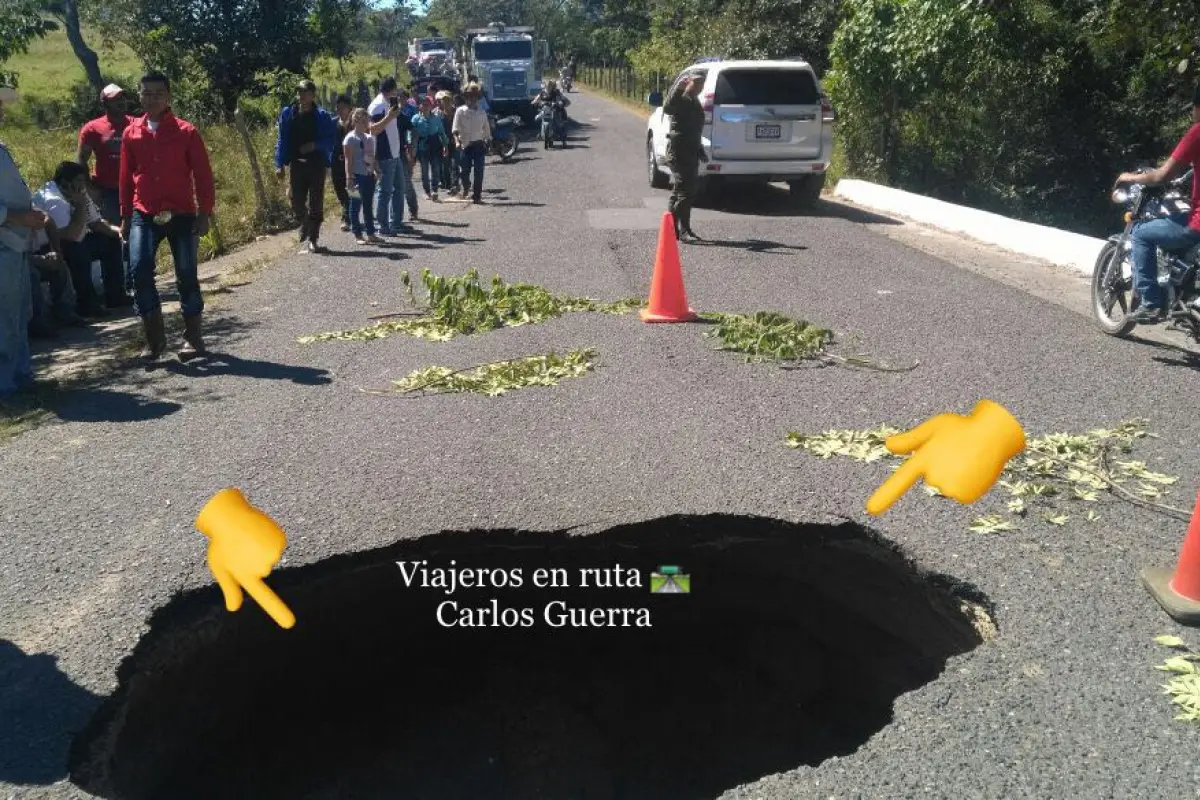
[333,23]
[67,11]
[21,22]
[233,43]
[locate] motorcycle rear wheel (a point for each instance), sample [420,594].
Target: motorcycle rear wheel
[1111,289]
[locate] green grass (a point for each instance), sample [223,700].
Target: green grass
[50,66]
[46,74]
[237,217]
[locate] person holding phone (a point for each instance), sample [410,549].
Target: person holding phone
[390,127]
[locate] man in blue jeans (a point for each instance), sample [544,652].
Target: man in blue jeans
[1177,234]
[390,127]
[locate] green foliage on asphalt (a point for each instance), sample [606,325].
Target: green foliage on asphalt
[499,377]
[1060,476]
[459,305]
[768,336]
[1183,687]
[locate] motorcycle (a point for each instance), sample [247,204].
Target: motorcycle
[1178,273]
[565,80]
[504,137]
[553,117]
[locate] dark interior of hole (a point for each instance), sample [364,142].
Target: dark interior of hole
[790,648]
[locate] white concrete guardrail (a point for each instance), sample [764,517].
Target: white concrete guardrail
[1058,247]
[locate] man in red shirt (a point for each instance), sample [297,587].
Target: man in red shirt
[102,136]
[165,175]
[1176,234]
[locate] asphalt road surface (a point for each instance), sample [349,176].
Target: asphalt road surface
[96,512]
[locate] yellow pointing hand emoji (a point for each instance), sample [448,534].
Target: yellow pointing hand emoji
[243,545]
[961,457]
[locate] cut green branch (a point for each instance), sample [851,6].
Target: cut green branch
[769,336]
[495,378]
[461,305]
[1184,686]
[1053,468]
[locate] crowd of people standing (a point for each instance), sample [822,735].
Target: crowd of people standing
[152,181]
[371,155]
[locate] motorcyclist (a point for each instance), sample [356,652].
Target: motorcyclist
[550,93]
[1174,234]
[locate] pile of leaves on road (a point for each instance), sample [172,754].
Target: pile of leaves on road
[1075,468]
[770,336]
[499,377]
[1184,685]
[462,305]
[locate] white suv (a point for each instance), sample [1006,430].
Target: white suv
[764,122]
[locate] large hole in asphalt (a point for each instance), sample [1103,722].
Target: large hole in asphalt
[790,648]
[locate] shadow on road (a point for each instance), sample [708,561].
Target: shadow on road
[1179,356]
[752,245]
[435,239]
[775,201]
[436,224]
[511,204]
[107,405]
[41,710]
[226,364]
[393,255]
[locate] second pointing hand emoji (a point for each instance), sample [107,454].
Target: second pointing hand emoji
[961,457]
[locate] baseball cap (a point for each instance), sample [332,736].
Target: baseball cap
[111,91]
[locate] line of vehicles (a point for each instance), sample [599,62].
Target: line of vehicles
[770,121]
[507,59]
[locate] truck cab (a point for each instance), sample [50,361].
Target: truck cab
[505,59]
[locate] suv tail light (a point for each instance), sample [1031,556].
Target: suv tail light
[707,102]
[827,114]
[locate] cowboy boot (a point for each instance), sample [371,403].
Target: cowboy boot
[156,336]
[193,342]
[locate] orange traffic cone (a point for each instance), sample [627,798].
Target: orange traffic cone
[668,301]
[1179,593]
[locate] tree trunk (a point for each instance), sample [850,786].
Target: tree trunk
[229,101]
[68,12]
[260,190]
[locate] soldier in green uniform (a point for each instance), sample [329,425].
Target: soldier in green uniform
[684,151]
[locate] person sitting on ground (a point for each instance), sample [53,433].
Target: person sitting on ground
[85,235]
[46,265]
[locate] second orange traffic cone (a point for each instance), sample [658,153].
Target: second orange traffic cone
[668,301]
[1178,592]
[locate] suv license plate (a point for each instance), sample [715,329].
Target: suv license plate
[766,131]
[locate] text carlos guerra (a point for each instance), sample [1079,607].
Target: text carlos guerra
[556,614]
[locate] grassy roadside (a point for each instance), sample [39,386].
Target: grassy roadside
[50,69]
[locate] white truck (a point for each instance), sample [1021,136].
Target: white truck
[506,59]
[432,52]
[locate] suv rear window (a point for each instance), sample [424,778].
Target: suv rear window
[765,87]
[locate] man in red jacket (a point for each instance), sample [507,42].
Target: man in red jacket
[165,175]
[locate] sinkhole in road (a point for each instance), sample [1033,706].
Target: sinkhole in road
[790,647]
